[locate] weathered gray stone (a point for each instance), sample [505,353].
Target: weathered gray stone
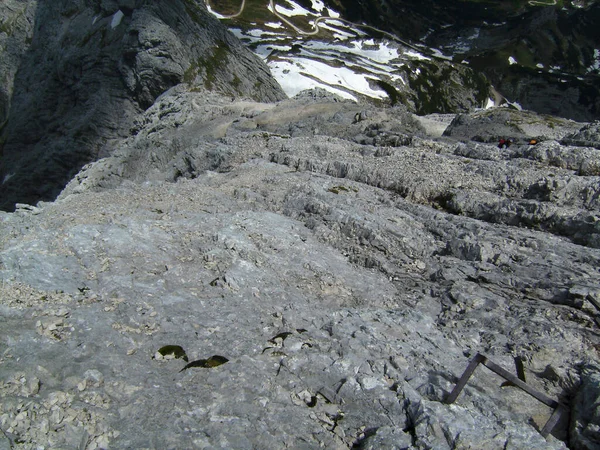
[588,136]
[585,419]
[347,285]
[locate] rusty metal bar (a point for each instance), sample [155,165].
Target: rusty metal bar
[465,378]
[520,384]
[518,381]
[520,368]
[593,301]
[597,305]
[520,372]
[553,420]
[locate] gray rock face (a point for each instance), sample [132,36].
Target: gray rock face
[93,67]
[15,36]
[585,424]
[508,123]
[588,136]
[327,283]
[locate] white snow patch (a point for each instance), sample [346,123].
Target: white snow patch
[515,105]
[95,19]
[490,103]
[438,54]
[332,13]
[416,55]
[8,177]
[511,60]
[260,33]
[116,20]
[296,10]
[337,33]
[382,54]
[539,65]
[318,5]
[292,81]
[237,32]
[596,63]
[377,60]
[292,76]
[274,24]
[265,50]
[216,14]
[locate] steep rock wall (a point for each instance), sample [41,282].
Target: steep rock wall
[92,67]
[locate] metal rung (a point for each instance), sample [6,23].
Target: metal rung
[559,409]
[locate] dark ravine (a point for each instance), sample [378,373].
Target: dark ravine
[86,70]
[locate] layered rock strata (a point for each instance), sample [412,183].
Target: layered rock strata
[344,263]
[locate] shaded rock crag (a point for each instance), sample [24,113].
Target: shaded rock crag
[90,68]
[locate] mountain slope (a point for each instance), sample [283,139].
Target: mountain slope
[543,57]
[328,270]
[91,69]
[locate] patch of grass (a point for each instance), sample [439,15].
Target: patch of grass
[210,66]
[213,63]
[193,11]
[338,189]
[236,83]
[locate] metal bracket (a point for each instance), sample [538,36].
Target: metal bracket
[559,408]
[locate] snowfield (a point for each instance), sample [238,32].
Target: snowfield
[339,58]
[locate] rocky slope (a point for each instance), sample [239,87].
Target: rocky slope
[329,268]
[78,73]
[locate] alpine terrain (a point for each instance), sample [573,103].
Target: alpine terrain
[299,224]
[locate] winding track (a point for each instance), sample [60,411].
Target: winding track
[230,16]
[541,3]
[316,29]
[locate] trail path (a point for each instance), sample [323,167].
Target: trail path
[229,16]
[316,29]
[541,3]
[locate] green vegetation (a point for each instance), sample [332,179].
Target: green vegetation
[213,63]
[338,189]
[190,74]
[210,66]
[236,83]
[8,24]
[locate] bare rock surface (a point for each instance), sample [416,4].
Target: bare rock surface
[306,274]
[588,136]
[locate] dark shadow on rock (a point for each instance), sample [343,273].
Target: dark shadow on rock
[93,67]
